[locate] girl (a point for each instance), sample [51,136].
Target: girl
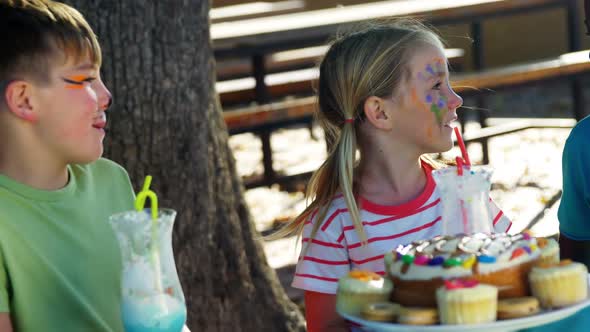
[384,103]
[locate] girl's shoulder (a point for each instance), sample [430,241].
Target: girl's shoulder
[334,211]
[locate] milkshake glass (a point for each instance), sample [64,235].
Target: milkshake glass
[465,199]
[152,298]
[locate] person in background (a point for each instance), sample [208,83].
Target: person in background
[385,103]
[574,209]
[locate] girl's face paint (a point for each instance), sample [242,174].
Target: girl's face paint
[437,103]
[422,107]
[418,102]
[425,107]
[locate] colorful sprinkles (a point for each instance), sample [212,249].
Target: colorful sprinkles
[412,254]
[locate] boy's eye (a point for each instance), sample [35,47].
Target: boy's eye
[79,80]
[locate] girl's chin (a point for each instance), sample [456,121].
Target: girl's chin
[447,128]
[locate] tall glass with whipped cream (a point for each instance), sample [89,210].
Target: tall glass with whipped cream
[152,298]
[465,199]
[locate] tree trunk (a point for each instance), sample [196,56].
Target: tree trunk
[166,121]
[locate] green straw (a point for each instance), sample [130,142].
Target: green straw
[144,194]
[139,206]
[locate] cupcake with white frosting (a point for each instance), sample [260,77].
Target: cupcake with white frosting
[549,250]
[359,289]
[559,285]
[466,302]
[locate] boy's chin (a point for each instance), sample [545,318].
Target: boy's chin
[87,159]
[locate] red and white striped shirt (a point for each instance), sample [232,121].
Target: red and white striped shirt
[336,248]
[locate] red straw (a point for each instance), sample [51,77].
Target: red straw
[459,165]
[462,147]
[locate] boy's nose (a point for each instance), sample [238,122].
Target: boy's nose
[105,99]
[107,104]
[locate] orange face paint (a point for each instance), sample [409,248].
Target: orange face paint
[76,81]
[417,100]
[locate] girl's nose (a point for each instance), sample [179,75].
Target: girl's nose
[455,101]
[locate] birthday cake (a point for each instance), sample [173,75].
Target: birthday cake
[420,268]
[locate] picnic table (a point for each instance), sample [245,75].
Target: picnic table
[258,37]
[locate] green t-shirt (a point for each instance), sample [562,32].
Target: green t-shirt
[60,266]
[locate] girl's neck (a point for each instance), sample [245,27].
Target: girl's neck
[391,179]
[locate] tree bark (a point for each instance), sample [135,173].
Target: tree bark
[166,121]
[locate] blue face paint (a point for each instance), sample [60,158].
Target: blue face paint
[430,70]
[438,103]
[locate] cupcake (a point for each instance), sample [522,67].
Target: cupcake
[466,302]
[417,316]
[549,250]
[360,288]
[381,311]
[517,307]
[559,285]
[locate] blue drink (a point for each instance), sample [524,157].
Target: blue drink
[152,299]
[161,313]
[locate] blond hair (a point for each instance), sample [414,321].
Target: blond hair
[371,61]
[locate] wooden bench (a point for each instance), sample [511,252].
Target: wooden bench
[301,58]
[276,62]
[256,38]
[254,10]
[266,118]
[289,83]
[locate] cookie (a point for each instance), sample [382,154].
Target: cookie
[517,307]
[380,311]
[417,315]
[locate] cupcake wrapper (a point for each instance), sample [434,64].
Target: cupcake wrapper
[560,290]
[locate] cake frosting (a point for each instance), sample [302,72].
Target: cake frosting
[460,256]
[500,259]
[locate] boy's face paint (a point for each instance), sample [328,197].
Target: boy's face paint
[77,81]
[72,113]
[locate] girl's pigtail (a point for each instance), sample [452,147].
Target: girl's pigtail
[347,160]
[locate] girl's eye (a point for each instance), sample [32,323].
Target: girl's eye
[437,86]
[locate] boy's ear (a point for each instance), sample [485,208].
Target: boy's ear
[18,99]
[376,113]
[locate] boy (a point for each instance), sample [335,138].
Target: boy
[59,259]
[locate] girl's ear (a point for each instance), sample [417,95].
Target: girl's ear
[18,100]
[377,113]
